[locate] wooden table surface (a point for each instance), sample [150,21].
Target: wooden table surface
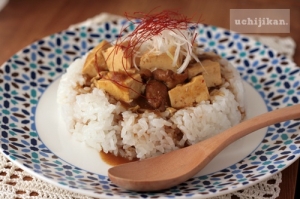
[23,22]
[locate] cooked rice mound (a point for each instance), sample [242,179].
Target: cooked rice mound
[95,118]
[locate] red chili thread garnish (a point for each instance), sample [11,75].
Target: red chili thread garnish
[153,24]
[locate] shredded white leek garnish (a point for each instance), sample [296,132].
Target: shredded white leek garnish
[181,40]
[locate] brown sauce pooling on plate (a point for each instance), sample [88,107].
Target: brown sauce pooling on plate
[113,160]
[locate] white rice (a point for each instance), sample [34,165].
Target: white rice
[92,119]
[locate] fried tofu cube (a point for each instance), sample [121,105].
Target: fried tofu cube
[121,86]
[190,93]
[116,59]
[95,60]
[210,70]
[152,60]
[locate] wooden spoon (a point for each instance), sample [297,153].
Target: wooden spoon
[173,168]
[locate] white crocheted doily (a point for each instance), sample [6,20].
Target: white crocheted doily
[16,183]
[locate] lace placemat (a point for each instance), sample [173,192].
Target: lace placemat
[16,183]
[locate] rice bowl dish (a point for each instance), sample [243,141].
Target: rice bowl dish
[112,123]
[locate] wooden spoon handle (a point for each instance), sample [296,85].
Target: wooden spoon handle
[244,128]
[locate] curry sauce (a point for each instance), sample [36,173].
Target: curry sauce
[113,160]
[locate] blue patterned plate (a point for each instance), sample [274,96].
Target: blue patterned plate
[33,137]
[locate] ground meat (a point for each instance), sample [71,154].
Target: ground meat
[145,74]
[170,78]
[157,94]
